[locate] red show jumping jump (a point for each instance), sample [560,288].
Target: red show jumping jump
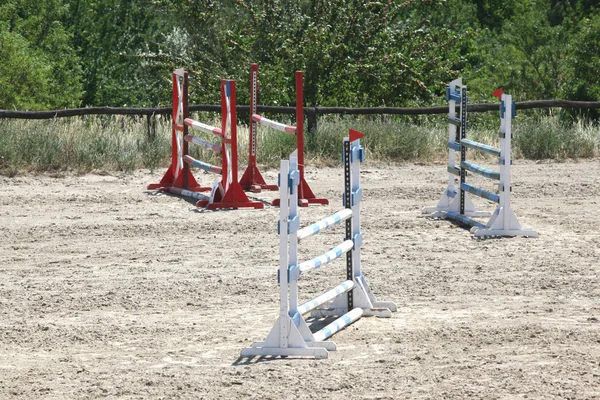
[252,179]
[226,193]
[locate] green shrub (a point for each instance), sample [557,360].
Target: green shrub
[548,138]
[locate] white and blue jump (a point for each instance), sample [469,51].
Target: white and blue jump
[457,206]
[456,125]
[350,300]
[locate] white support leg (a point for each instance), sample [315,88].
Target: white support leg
[503,223]
[295,345]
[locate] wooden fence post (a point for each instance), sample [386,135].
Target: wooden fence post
[311,116]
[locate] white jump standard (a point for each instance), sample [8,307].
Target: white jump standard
[350,300]
[503,221]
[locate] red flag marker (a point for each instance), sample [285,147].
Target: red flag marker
[497,93]
[355,135]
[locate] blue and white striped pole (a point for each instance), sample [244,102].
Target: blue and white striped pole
[338,324]
[325,297]
[317,227]
[325,258]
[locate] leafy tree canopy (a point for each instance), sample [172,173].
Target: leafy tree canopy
[70,53]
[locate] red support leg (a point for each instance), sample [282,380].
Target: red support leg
[253,181]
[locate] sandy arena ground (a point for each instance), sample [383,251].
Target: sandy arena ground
[111,291]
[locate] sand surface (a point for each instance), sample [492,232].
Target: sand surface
[111,291]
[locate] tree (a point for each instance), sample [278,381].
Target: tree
[584,64]
[38,67]
[117,41]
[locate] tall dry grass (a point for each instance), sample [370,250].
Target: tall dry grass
[118,143]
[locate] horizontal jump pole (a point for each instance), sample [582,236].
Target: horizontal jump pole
[481,147]
[323,259]
[480,192]
[204,143]
[317,227]
[188,193]
[202,165]
[453,170]
[325,297]
[454,146]
[463,220]
[488,173]
[338,324]
[454,121]
[202,127]
[273,124]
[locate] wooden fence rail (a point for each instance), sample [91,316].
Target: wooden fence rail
[312,113]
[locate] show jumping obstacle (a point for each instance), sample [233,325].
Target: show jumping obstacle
[503,221]
[251,179]
[456,128]
[226,193]
[350,300]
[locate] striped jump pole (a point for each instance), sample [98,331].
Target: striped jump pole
[346,302]
[204,143]
[317,227]
[202,165]
[187,193]
[252,180]
[274,124]
[503,221]
[202,127]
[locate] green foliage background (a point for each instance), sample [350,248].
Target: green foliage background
[77,53]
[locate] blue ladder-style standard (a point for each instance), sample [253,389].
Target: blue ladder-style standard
[458,206]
